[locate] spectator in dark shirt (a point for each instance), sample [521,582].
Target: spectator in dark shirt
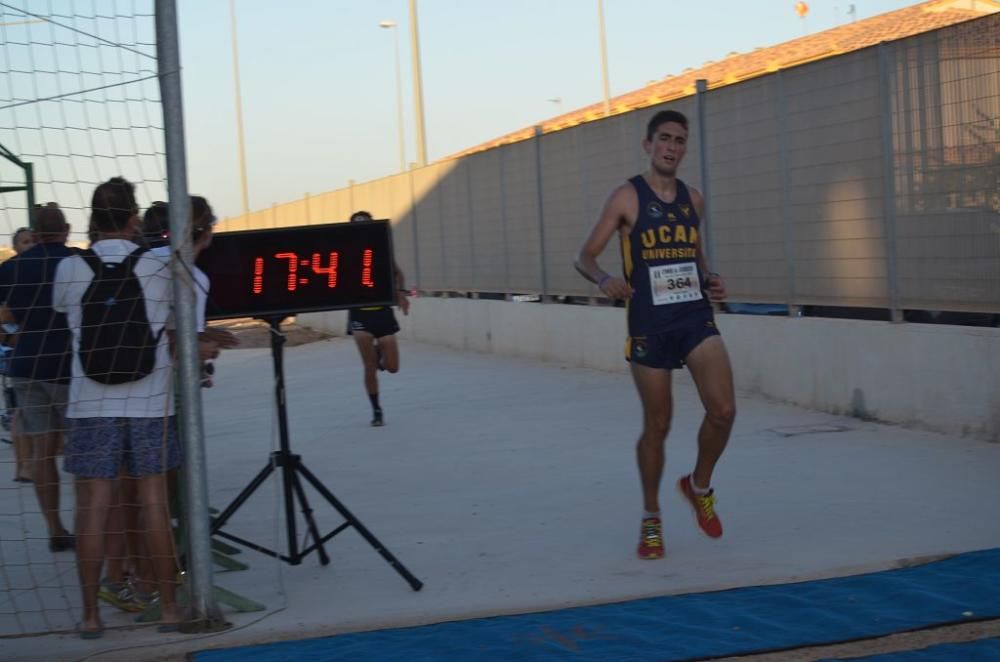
[40,364]
[21,240]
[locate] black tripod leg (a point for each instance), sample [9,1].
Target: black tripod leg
[414,583]
[287,476]
[308,514]
[221,520]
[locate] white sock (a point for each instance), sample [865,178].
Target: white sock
[646,514]
[700,491]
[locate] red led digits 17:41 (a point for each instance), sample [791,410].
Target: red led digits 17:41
[293,280]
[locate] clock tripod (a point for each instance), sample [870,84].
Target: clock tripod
[293,470]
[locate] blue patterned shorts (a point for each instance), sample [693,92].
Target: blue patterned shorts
[100,447]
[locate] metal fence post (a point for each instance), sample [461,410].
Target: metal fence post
[503,221]
[543,262]
[413,224]
[470,215]
[886,61]
[786,196]
[701,94]
[436,190]
[29,183]
[204,614]
[921,114]
[29,189]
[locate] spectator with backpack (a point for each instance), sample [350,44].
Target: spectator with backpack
[128,584]
[117,299]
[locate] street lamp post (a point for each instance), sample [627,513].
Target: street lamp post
[418,92]
[604,58]
[391,25]
[244,198]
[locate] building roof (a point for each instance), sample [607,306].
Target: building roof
[891,26]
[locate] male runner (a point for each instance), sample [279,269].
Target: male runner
[374,330]
[667,288]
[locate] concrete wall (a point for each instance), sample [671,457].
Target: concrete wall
[592,337]
[943,378]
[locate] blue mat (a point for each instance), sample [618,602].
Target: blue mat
[984,650]
[693,626]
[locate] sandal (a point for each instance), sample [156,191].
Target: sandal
[91,634]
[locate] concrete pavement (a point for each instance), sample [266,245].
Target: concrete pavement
[510,485]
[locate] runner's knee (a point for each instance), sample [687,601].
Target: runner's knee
[722,414]
[655,428]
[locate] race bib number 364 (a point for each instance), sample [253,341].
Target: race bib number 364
[674,283]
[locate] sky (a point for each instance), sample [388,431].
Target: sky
[319,90]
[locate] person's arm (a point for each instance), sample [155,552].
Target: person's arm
[5,281]
[8,326]
[716,286]
[401,292]
[614,215]
[6,314]
[60,284]
[224,338]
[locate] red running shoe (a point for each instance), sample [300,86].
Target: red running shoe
[651,539]
[704,508]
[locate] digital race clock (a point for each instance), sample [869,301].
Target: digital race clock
[283,271]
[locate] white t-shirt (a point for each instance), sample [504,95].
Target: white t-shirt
[149,397]
[201,285]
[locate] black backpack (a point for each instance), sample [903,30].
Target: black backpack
[117,344]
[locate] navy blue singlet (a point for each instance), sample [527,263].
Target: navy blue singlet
[661,264]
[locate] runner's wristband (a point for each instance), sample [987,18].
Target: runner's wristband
[605,278]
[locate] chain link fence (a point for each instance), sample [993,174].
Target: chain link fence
[870,179]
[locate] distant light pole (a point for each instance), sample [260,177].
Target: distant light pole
[418,87]
[244,198]
[27,22]
[604,58]
[802,9]
[391,25]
